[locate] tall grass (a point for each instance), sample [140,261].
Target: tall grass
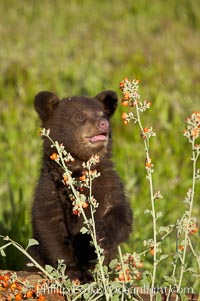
[82,47]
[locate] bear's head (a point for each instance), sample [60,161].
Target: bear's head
[82,124]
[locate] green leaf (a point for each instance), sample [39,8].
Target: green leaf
[113,264]
[163,229]
[86,296]
[158,214]
[82,197]
[84,230]
[32,242]
[162,257]
[3,253]
[183,297]
[158,296]
[105,268]
[170,280]
[115,297]
[192,270]
[49,268]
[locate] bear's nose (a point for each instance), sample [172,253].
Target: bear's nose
[103,125]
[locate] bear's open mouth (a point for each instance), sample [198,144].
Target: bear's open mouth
[98,138]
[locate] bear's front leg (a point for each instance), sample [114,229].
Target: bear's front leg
[114,228]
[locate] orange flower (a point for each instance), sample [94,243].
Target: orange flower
[121,276]
[139,265]
[146,130]
[121,85]
[125,103]
[118,267]
[18,296]
[82,178]
[152,251]
[41,298]
[13,286]
[5,284]
[84,205]
[125,122]
[138,276]
[54,156]
[148,163]
[181,248]
[195,132]
[130,258]
[6,277]
[80,205]
[126,96]
[194,230]
[29,294]
[65,179]
[37,287]
[124,115]
[19,287]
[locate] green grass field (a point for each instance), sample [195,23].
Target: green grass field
[81,47]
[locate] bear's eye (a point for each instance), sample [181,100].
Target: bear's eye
[80,117]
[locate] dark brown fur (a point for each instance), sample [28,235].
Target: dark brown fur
[57,230]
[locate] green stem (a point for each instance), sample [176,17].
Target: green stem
[196,256]
[78,297]
[124,272]
[94,238]
[91,209]
[146,145]
[21,249]
[186,237]
[194,253]
[5,246]
[92,298]
[173,275]
[122,263]
[99,259]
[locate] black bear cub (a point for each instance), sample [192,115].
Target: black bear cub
[82,125]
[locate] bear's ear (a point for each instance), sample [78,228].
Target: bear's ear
[45,102]
[109,99]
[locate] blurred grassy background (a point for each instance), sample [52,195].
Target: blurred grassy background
[79,47]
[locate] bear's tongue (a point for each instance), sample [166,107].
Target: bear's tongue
[98,138]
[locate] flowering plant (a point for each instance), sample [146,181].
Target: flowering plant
[187,224]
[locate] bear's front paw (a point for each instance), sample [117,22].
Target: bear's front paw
[80,275]
[104,237]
